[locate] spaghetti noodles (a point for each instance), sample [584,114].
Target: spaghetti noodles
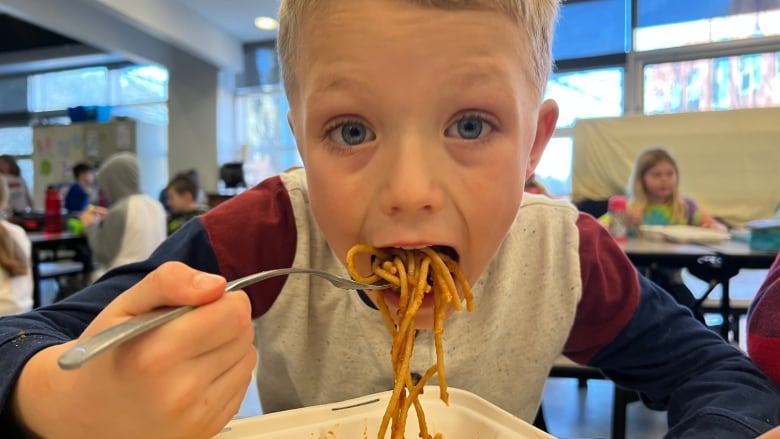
[413,273]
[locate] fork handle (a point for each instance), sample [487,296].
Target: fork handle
[89,348]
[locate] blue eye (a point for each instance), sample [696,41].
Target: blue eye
[350,133]
[469,128]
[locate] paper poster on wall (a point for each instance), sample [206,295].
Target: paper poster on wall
[92,146]
[45,167]
[124,136]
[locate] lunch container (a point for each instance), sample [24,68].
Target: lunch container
[467,417]
[765,234]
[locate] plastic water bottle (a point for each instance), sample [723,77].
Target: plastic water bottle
[52,213]
[618,217]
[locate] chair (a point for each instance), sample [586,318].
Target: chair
[565,368]
[712,271]
[593,207]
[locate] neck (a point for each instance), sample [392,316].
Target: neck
[658,200]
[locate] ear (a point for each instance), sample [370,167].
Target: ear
[545,127]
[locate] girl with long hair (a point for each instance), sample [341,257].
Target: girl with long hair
[16,284]
[654,194]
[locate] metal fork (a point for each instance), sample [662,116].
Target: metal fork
[87,349]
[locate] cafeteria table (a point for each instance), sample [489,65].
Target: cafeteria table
[48,260]
[716,263]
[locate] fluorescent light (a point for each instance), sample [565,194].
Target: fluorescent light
[266,23]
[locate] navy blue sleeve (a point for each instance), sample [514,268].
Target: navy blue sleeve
[23,335]
[710,388]
[76,199]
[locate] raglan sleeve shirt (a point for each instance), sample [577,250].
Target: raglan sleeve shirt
[643,340]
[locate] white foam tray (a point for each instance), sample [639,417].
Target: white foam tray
[684,234]
[467,417]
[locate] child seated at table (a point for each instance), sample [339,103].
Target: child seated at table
[654,194]
[182,193]
[16,284]
[79,193]
[132,227]
[655,199]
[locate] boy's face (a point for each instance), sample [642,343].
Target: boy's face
[87,178]
[416,127]
[179,202]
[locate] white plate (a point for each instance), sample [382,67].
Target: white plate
[684,234]
[468,416]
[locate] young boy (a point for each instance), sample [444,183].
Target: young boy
[182,195]
[417,122]
[78,197]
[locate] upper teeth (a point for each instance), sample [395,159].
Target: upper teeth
[414,248]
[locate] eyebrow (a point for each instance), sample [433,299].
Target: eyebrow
[483,74]
[332,82]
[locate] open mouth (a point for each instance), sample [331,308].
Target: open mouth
[443,249]
[447,250]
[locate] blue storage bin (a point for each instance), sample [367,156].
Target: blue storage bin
[92,113]
[765,234]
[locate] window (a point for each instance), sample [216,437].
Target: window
[586,94]
[745,81]
[268,144]
[69,88]
[554,169]
[580,94]
[139,91]
[675,23]
[139,84]
[576,25]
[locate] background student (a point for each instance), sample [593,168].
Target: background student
[16,284]
[182,193]
[654,194]
[134,224]
[79,194]
[655,200]
[19,199]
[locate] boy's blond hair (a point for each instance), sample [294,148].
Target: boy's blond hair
[536,18]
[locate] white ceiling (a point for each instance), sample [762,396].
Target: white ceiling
[146,30]
[236,17]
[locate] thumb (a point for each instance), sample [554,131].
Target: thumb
[171,284]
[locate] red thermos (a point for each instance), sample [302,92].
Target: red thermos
[52,215]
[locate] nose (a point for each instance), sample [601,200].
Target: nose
[411,183]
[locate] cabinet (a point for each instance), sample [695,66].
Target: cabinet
[58,148]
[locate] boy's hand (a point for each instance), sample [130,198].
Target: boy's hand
[772,434]
[92,215]
[186,378]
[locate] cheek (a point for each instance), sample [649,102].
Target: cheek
[490,205]
[335,207]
